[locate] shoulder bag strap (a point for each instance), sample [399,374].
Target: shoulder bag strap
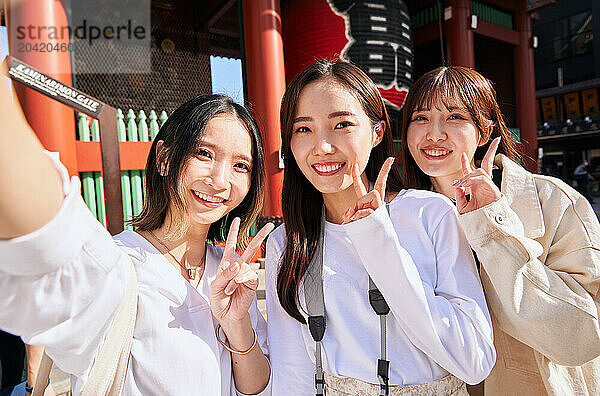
[43,375]
[107,375]
[315,304]
[381,308]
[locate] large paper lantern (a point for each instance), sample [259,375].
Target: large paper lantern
[373,34]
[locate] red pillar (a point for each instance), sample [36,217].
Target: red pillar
[459,35]
[53,122]
[266,85]
[525,88]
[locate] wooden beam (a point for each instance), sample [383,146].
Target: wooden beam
[132,155]
[220,12]
[426,34]
[497,32]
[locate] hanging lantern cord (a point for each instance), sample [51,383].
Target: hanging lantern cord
[439,7]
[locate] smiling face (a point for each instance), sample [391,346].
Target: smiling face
[331,133]
[216,178]
[437,137]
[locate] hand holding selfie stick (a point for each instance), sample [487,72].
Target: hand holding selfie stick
[107,117]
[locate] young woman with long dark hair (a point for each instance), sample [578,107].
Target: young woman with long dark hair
[363,295]
[536,238]
[62,276]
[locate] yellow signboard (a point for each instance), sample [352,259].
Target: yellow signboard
[549,108]
[572,107]
[590,101]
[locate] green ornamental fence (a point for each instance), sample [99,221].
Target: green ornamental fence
[483,11]
[492,14]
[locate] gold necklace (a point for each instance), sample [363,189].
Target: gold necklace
[192,272]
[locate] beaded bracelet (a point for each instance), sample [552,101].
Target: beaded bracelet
[247,351]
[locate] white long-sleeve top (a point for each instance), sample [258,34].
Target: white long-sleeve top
[60,286]
[420,260]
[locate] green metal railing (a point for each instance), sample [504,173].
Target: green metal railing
[492,14]
[516,134]
[133,182]
[483,11]
[425,17]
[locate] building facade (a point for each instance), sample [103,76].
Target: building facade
[567,78]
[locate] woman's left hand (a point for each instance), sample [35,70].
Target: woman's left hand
[483,189]
[368,202]
[233,289]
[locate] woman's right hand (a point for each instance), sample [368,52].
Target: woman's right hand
[483,189]
[233,289]
[370,201]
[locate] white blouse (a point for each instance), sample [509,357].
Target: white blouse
[421,262]
[60,286]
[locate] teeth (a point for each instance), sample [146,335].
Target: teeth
[327,168]
[208,198]
[436,153]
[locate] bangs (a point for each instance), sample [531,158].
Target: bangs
[451,89]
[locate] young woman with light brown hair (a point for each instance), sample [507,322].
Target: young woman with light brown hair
[537,240]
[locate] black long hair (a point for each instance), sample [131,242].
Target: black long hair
[301,201]
[180,136]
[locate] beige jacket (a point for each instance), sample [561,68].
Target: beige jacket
[539,248]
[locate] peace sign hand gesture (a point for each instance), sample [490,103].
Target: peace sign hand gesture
[368,202]
[233,289]
[483,189]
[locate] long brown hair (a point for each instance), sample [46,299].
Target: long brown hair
[301,201]
[444,85]
[180,136]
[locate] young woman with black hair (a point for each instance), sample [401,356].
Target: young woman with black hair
[343,256]
[62,276]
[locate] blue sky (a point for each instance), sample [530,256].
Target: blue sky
[3,52]
[3,42]
[226,76]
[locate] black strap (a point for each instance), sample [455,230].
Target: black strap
[316,325]
[381,308]
[383,370]
[315,305]
[378,302]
